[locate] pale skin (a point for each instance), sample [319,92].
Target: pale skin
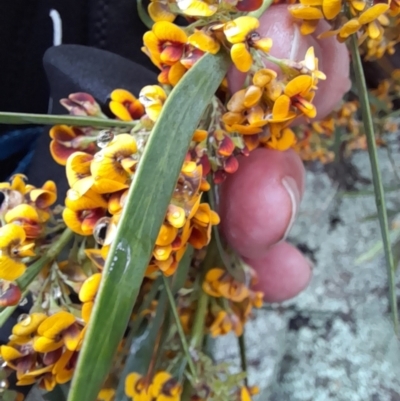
[260,201]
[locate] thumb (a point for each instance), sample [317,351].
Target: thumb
[288,43]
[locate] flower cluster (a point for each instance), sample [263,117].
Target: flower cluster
[26,219]
[376,21]
[163,387]
[43,349]
[231,303]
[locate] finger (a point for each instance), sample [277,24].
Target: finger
[260,201]
[289,43]
[282,273]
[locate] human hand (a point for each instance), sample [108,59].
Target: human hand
[259,203]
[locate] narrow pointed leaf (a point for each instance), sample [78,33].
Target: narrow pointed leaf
[376,177]
[49,119]
[141,220]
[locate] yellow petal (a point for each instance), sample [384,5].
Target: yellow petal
[9,353]
[252,96]
[331,8]
[197,8]
[241,57]
[263,44]
[374,30]
[159,11]
[264,77]
[166,235]
[55,324]
[281,108]
[44,344]
[236,31]
[28,325]
[120,111]
[24,211]
[204,42]
[11,233]
[305,12]
[169,32]
[130,384]
[373,13]
[349,28]
[308,26]
[176,72]
[299,85]
[10,269]
[287,140]
[90,287]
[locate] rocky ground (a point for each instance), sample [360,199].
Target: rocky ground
[334,341]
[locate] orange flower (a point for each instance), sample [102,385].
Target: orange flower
[13,248]
[242,34]
[125,106]
[219,283]
[165,43]
[67,140]
[82,212]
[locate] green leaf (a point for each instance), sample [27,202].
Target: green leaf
[377,248]
[148,199]
[376,176]
[44,119]
[144,343]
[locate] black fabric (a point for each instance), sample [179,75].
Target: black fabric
[26,31]
[74,68]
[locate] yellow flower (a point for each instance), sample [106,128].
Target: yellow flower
[57,330]
[12,249]
[165,388]
[82,212]
[282,138]
[219,283]
[125,106]
[78,172]
[223,323]
[152,97]
[165,43]
[27,217]
[242,34]
[113,166]
[202,222]
[135,388]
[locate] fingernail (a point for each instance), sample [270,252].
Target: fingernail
[290,184]
[294,52]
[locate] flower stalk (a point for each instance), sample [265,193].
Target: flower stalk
[376,177]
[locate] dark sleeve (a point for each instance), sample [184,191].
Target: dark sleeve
[27,30]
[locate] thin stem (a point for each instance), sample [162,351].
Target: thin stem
[264,7]
[50,255]
[376,176]
[44,119]
[199,318]
[243,358]
[181,333]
